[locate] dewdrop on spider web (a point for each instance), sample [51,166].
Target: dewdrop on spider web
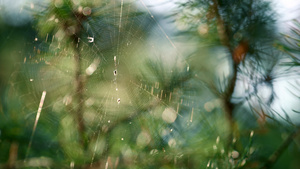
[119,100]
[90,39]
[115,60]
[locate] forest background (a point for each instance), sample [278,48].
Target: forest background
[141,84]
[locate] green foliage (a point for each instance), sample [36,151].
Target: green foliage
[110,104]
[291,45]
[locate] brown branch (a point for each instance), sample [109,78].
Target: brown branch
[79,83]
[222,30]
[229,106]
[276,155]
[79,77]
[225,40]
[13,155]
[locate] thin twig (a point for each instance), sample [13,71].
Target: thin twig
[276,155]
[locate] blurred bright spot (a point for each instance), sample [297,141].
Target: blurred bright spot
[209,106]
[58,3]
[92,68]
[169,115]
[218,140]
[172,142]
[87,11]
[235,154]
[16,13]
[39,162]
[153,151]
[203,29]
[89,102]
[143,139]
[67,100]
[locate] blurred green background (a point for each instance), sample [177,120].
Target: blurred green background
[149,84]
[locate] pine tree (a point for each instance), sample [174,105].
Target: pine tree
[107,97]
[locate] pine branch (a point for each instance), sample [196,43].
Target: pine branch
[224,35]
[79,78]
[79,82]
[13,155]
[276,155]
[222,30]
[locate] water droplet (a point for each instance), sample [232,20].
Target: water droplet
[119,100]
[35,39]
[31,80]
[108,121]
[115,72]
[117,89]
[90,39]
[122,139]
[252,133]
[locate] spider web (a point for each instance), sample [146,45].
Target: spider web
[139,96]
[128,63]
